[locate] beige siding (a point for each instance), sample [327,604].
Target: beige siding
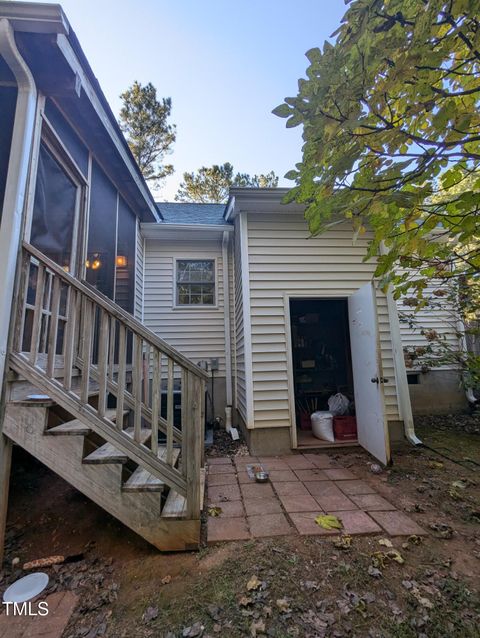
[238,332]
[199,333]
[139,269]
[439,317]
[283,259]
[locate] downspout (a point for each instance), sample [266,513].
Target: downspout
[228,345]
[17,176]
[403,393]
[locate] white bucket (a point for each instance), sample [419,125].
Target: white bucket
[322,426]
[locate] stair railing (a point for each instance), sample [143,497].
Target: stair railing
[72,341]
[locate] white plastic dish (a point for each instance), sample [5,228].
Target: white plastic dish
[26,588]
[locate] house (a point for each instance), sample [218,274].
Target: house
[124,323]
[82,387]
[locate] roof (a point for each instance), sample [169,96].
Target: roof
[190,213]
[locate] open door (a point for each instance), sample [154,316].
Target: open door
[367,374]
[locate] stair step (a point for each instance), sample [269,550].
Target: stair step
[77,427]
[142,481]
[108,453]
[176,504]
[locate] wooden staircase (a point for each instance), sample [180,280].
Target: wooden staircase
[102,425]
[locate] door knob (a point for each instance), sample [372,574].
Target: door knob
[379,380]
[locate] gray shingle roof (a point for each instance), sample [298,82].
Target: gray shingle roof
[186,213]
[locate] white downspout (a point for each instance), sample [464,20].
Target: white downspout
[228,345]
[17,177]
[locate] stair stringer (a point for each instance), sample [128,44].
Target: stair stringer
[25,426]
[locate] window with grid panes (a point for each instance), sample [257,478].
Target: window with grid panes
[195,282]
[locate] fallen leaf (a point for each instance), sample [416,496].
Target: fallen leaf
[327,521]
[437,465]
[253,583]
[166,579]
[385,542]
[283,606]
[257,627]
[461,485]
[194,631]
[149,614]
[245,601]
[395,555]
[343,542]
[374,572]
[214,510]
[414,539]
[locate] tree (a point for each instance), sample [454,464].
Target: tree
[144,120]
[211,184]
[391,125]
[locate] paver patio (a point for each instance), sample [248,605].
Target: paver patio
[301,487]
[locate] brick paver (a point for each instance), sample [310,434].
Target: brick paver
[357,522]
[267,505]
[223,493]
[227,529]
[301,487]
[397,523]
[312,474]
[219,460]
[60,608]
[372,502]
[269,525]
[355,487]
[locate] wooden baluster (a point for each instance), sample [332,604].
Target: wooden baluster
[146,375]
[46,304]
[122,361]
[53,328]
[37,315]
[184,399]
[21,311]
[156,399]
[170,397]
[111,351]
[137,387]
[87,346]
[102,365]
[70,332]
[192,432]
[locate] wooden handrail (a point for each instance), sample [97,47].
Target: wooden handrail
[119,313]
[92,335]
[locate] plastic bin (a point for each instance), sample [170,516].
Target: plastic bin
[345,428]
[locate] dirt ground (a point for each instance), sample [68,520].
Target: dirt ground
[281,587]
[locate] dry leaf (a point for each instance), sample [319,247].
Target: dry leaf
[327,521]
[253,583]
[343,542]
[166,579]
[245,601]
[257,627]
[214,511]
[395,555]
[385,542]
[283,606]
[437,465]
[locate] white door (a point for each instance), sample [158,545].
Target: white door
[367,373]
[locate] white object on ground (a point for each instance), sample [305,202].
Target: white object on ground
[234,434]
[322,426]
[26,588]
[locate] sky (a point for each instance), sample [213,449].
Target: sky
[225,65]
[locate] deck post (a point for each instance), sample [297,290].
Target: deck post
[5,465]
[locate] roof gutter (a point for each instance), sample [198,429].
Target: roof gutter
[152,230]
[17,176]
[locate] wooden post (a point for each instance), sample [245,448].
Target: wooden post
[5,465]
[170,408]
[122,361]
[156,399]
[192,433]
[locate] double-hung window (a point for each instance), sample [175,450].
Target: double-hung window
[195,282]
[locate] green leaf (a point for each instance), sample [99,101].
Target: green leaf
[282,110]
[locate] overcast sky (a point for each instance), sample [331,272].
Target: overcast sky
[225,65]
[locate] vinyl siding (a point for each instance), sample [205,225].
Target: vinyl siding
[199,333]
[283,259]
[441,317]
[238,331]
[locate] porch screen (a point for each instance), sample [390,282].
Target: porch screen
[102,233]
[125,258]
[53,210]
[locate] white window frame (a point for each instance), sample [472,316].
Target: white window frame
[189,307]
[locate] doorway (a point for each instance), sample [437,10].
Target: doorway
[322,368]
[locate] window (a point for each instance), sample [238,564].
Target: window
[195,283]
